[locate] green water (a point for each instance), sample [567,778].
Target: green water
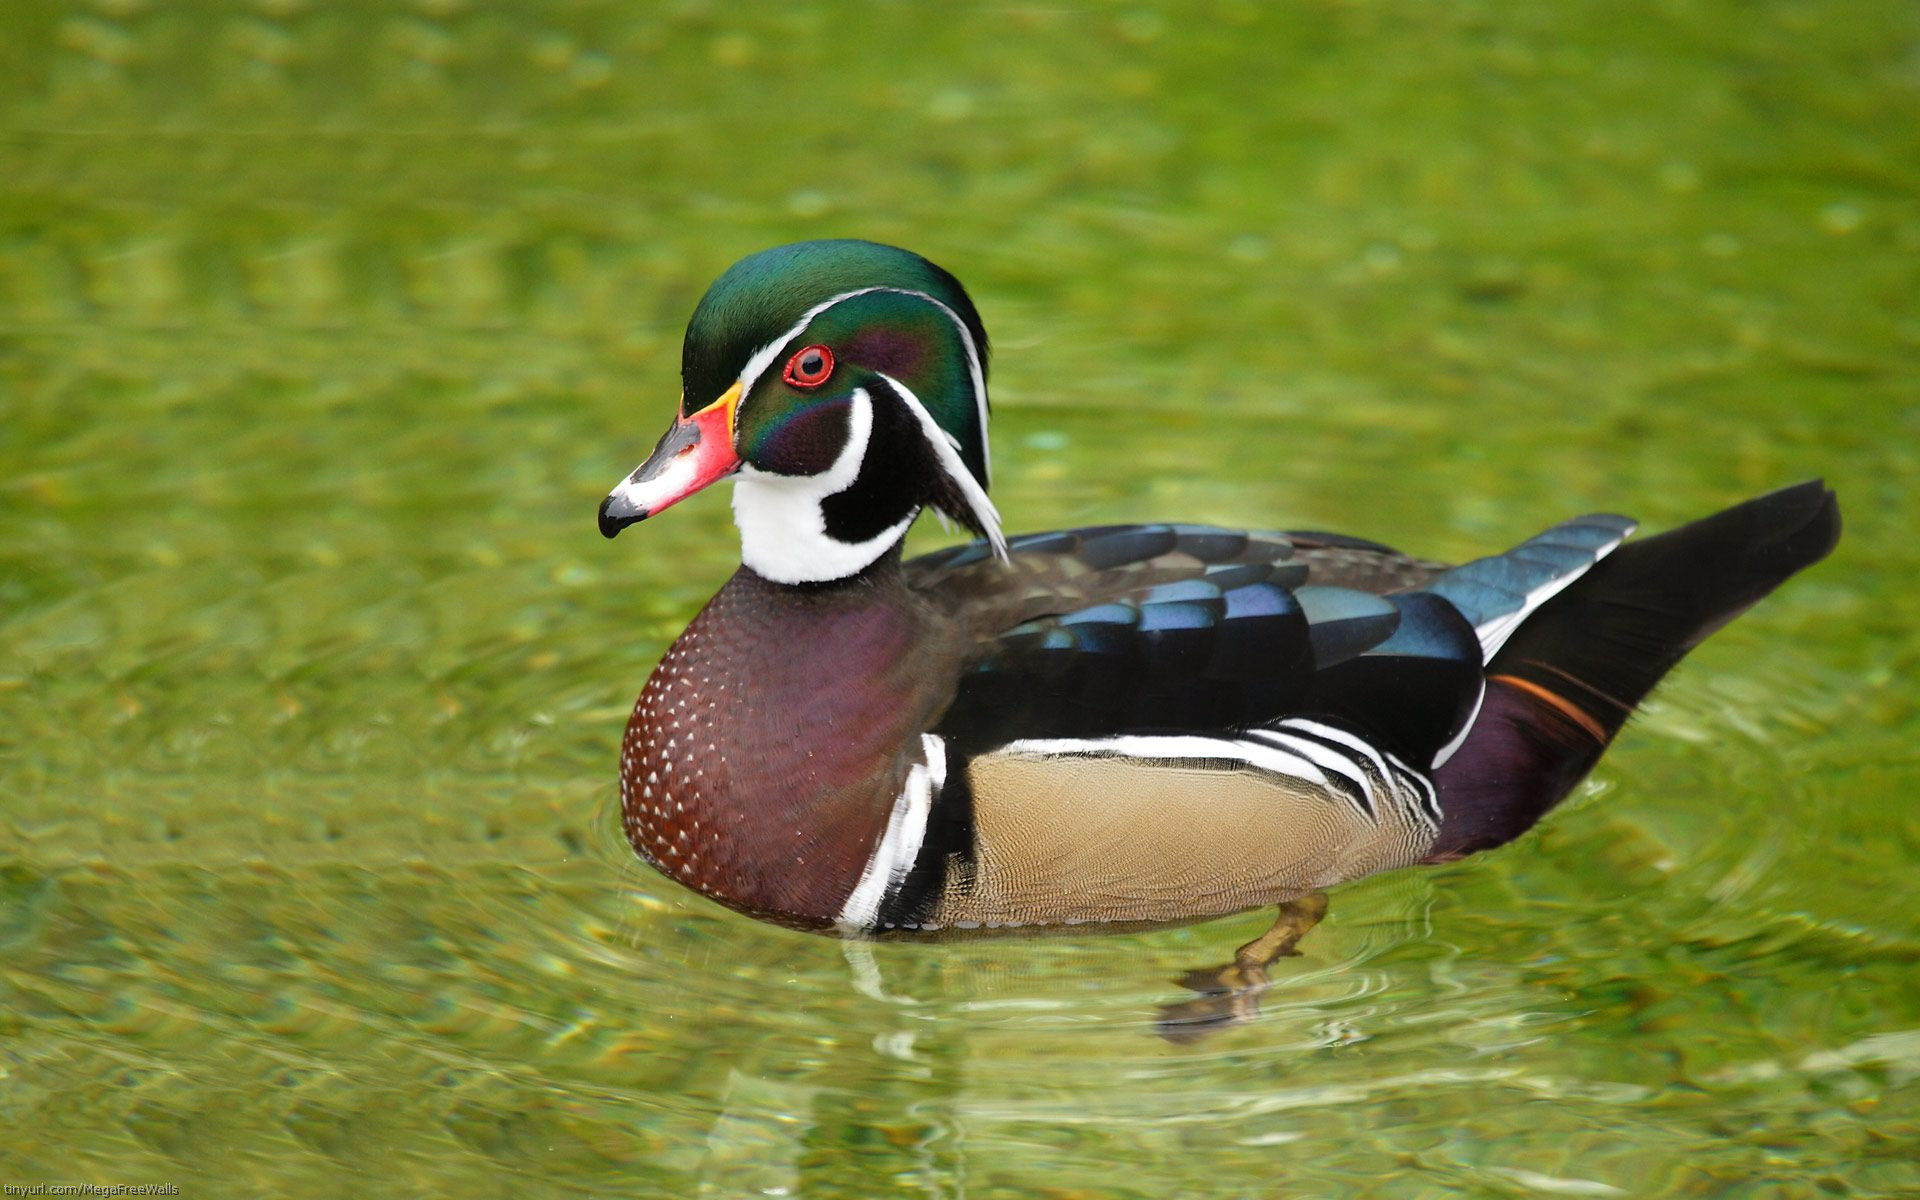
[325,326]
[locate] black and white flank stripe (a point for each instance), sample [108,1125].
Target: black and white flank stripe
[901,844]
[1344,766]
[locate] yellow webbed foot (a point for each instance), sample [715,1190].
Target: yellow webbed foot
[1230,993]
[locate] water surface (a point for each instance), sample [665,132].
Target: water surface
[324,327]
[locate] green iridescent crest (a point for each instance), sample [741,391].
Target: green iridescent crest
[876,339]
[914,324]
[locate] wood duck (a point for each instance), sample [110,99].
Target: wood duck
[1116,725]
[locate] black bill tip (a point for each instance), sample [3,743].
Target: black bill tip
[616,514]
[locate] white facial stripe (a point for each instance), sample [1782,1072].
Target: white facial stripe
[783,532]
[782,529]
[900,844]
[764,356]
[945,453]
[979,380]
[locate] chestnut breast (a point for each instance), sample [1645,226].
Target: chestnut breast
[765,753]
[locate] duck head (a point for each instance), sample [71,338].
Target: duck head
[842,385]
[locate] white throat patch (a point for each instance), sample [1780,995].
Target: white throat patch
[783,530]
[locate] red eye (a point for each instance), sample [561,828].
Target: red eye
[809,368]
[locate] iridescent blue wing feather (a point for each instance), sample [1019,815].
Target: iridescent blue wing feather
[1201,630]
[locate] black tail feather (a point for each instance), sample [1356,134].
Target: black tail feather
[1567,680]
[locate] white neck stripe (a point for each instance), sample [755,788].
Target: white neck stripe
[947,456]
[900,844]
[783,532]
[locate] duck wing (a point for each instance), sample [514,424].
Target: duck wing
[1092,633]
[1048,573]
[1161,721]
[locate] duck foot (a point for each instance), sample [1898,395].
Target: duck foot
[1230,994]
